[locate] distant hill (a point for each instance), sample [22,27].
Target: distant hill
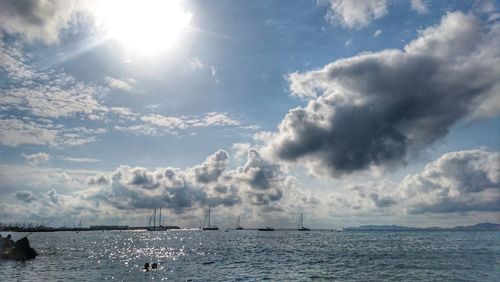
[476,227]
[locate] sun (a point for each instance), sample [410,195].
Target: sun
[143,26]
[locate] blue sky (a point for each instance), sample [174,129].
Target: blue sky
[352,112]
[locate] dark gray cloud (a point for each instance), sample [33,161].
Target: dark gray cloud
[37,20]
[375,108]
[382,201]
[456,182]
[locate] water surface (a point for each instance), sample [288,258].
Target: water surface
[253,255]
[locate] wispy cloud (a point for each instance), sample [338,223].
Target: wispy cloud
[78,160]
[119,84]
[157,124]
[37,158]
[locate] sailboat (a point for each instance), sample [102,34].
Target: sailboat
[160,227]
[301,224]
[210,227]
[238,227]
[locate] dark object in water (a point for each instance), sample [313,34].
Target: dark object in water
[301,224]
[20,250]
[154,265]
[146,266]
[266,229]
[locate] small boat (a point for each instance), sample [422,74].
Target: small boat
[19,250]
[210,227]
[160,227]
[238,227]
[301,224]
[267,228]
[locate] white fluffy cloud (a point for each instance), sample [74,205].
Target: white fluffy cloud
[356,13]
[120,84]
[371,109]
[420,6]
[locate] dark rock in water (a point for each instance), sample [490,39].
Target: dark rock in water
[21,250]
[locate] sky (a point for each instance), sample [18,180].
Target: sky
[350,112]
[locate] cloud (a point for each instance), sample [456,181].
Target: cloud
[36,95]
[197,65]
[54,101]
[382,202]
[44,93]
[124,85]
[213,119]
[15,132]
[164,121]
[372,109]
[264,179]
[377,33]
[420,6]
[25,196]
[37,20]
[78,160]
[157,124]
[99,180]
[212,168]
[36,159]
[456,182]
[136,187]
[258,183]
[355,13]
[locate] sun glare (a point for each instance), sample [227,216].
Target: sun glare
[143,26]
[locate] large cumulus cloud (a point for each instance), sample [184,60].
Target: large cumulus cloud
[372,109]
[258,182]
[456,182]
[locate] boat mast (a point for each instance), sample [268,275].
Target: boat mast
[208,216]
[301,222]
[159,222]
[238,223]
[154,218]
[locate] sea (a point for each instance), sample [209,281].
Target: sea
[247,255]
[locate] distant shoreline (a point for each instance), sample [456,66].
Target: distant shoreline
[364,228]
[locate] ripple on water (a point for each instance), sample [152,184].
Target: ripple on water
[252,255]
